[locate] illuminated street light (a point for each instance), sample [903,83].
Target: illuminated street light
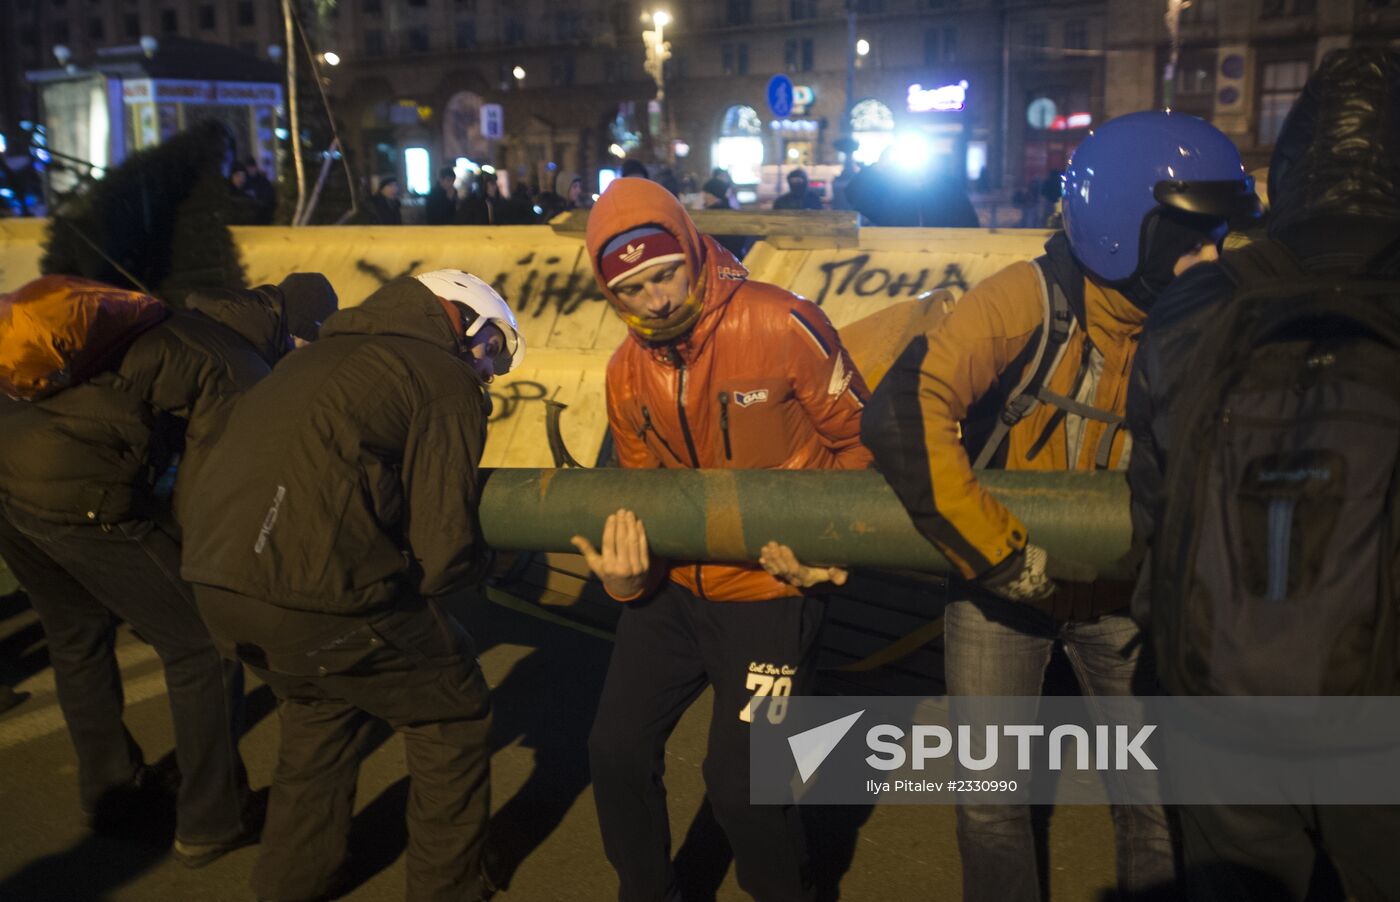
[519,73]
[617,151]
[658,51]
[331,57]
[862,47]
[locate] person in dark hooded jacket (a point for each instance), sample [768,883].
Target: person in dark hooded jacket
[106,387]
[335,516]
[441,207]
[890,195]
[1334,190]
[799,196]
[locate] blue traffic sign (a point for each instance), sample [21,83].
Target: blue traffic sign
[780,95]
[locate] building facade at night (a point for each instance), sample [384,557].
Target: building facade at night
[1009,85]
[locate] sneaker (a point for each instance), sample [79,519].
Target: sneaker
[197,855]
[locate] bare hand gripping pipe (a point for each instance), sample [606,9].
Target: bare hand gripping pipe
[849,518]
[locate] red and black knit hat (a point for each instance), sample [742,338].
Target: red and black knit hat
[635,250]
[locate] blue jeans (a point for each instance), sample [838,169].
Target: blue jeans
[995,648]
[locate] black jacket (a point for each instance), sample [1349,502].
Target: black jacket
[385,211]
[349,476]
[807,200]
[1335,206]
[93,452]
[441,208]
[886,197]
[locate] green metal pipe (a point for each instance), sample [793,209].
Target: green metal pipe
[847,518]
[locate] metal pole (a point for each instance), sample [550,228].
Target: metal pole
[1005,143]
[660,62]
[1173,20]
[826,517]
[293,111]
[326,163]
[847,130]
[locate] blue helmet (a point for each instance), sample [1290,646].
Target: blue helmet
[1139,164]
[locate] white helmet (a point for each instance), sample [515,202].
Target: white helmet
[488,307]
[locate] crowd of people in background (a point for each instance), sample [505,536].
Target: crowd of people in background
[883,193]
[479,200]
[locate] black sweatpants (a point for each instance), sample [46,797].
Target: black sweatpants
[1266,853]
[414,668]
[668,648]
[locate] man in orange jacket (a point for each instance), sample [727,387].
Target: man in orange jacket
[717,371]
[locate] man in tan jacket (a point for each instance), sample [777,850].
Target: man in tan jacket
[1030,372]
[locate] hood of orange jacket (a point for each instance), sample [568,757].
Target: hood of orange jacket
[714,273]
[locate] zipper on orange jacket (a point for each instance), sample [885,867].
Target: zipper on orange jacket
[647,425]
[689,440]
[724,423]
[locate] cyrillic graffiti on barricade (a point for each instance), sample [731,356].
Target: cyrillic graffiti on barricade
[855,275]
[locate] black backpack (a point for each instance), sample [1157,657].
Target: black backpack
[1275,562]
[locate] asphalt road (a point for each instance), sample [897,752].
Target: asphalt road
[546,677]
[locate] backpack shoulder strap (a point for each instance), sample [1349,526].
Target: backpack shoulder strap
[1261,263]
[1056,325]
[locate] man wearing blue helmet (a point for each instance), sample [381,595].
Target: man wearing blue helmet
[1029,372]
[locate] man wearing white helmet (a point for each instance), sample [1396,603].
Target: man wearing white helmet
[335,515]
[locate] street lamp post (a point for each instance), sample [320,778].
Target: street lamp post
[1173,19]
[847,143]
[658,52]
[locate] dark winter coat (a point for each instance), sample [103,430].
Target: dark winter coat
[93,452]
[441,208]
[1334,189]
[349,476]
[385,211]
[478,209]
[807,199]
[885,196]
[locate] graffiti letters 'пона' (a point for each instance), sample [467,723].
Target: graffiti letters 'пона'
[857,277]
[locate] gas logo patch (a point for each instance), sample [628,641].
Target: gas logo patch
[745,398]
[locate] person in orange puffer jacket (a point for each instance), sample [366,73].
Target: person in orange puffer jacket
[717,372]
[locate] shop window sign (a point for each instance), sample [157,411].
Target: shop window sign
[1071,122]
[943,99]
